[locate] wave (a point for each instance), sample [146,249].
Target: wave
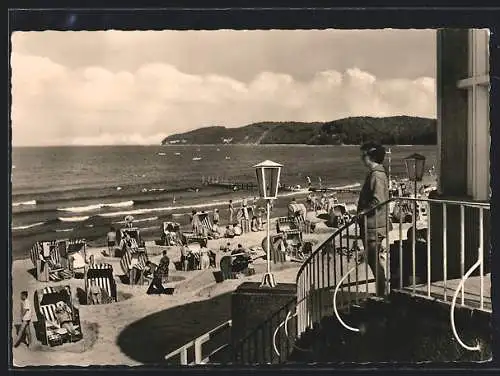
[93,207]
[64,230]
[25,227]
[187,206]
[73,219]
[22,203]
[146,190]
[140,220]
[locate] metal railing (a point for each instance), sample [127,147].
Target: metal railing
[199,357]
[264,344]
[430,262]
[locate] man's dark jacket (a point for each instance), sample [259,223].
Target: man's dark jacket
[375,191]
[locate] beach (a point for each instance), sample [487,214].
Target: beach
[198,304]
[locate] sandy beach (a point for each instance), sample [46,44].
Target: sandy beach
[142,328]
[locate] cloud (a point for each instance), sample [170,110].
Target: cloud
[55,104]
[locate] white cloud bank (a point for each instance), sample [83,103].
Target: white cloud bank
[54,105]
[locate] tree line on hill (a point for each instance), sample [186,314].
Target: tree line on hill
[394,130]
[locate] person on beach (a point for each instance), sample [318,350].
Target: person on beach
[254,226]
[129,220]
[231,212]
[24,333]
[95,293]
[185,258]
[111,238]
[229,232]
[254,204]
[64,317]
[225,248]
[204,257]
[195,223]
[163,266]
[129,243]
[375,191]
[216,217]
[157,272]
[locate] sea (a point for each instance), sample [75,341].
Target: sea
[80,191]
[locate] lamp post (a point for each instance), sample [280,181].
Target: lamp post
[268,177]
[415,169]
[415,165]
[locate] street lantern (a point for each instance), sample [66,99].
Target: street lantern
[268,178]
[415,164]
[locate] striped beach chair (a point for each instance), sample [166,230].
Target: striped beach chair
[49,268]
[294,238]
[102,274]
[130,261]
[45,308]
[276,254]
[206,223]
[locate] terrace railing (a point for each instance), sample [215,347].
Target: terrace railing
[436,261]
[193,352]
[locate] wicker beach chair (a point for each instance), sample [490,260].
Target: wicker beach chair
[206,222]
[45,308]
[50,267]
[131,261]
[102,274]
[276,254]
[169,231]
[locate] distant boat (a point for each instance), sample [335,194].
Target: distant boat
[162,154]
[228,157]
[196,158]
[177,153]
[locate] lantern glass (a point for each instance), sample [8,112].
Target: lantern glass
[268,176]
[415,165]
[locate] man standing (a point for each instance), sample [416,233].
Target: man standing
[216,217]
[111,237]
[375,191]
[163,266]
[24,332]
[231,212]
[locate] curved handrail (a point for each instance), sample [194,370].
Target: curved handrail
[288,317]
[452,309]
[274,336]
[337,314]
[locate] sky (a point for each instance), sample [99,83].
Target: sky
[137,87]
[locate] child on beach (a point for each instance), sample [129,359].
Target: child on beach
[95,293]
[24,333]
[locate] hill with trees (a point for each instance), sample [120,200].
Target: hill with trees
[394,130]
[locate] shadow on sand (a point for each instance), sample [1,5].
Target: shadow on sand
[151,338]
